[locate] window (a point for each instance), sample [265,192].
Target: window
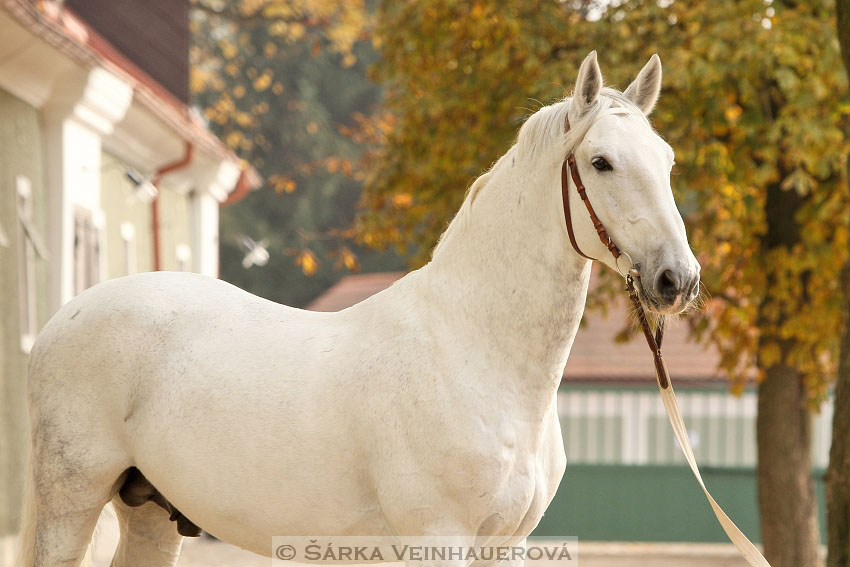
[128,244]
[29,245]
[86,250]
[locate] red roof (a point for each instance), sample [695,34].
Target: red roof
[353,289]
[595,355]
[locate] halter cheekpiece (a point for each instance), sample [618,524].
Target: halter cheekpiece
[671,406]
[653,340]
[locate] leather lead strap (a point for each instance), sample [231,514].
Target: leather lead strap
[668,396]
[654,342]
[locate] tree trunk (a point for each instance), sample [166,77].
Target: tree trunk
[838,474]
[785,486]
[789,523]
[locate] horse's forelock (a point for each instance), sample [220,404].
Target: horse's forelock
[544,133]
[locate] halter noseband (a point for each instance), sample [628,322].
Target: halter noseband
[652,340]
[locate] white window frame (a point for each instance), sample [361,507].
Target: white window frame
[88,225]
[4,238]
[128,245]
[27,244]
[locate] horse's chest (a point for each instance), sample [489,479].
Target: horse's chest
[515,483]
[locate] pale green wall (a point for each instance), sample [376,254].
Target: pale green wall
[655,503]
[175,218]
[21,154]
[119,206]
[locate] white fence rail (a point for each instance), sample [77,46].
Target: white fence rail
[629,426]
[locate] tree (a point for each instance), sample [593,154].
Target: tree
[838,473]
[749,105]
[282,82]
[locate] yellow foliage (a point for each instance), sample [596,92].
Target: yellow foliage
[308,262]
[196,82]
[770,355]
[751,112]
[244,119]
[733,112]
[347,259]
[263,82]
[402,200]
[233,139]
[282,183]
[228,50]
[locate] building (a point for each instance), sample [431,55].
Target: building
[104,172]
[626,479]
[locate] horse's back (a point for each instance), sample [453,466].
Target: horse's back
[156,326]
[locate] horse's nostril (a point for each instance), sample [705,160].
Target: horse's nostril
[668,284]
[694,291]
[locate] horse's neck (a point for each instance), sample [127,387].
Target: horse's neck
[504,273]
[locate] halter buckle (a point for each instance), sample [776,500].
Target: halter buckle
[628,274]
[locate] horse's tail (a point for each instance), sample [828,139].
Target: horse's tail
[26,531]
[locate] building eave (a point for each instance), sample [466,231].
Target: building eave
[157,125]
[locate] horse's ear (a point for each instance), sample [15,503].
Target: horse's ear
[645,88]
[588,85]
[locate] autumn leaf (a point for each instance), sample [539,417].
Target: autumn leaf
[751,121]
[308,262]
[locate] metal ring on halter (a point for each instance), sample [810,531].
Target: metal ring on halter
[617,263]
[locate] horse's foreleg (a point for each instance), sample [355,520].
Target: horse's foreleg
[148,537]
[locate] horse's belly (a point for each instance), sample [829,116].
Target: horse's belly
[246,497]
[247,465]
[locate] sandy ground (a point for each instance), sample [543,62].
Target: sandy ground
[207,552]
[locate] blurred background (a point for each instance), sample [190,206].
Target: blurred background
[312,151]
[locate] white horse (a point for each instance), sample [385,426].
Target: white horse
[427,409]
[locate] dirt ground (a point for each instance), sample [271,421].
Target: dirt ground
[207,552]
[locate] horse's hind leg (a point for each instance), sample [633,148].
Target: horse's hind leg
[68,500]
[148,537]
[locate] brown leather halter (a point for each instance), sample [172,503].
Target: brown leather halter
[653,340]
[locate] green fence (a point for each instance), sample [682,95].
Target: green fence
[654,503]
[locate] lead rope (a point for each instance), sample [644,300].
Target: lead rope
[674,414]
[668,396]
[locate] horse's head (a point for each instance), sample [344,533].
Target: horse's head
[625,167]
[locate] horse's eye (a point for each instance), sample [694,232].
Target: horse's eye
[601,164]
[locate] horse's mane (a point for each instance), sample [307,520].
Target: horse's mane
[542,130]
